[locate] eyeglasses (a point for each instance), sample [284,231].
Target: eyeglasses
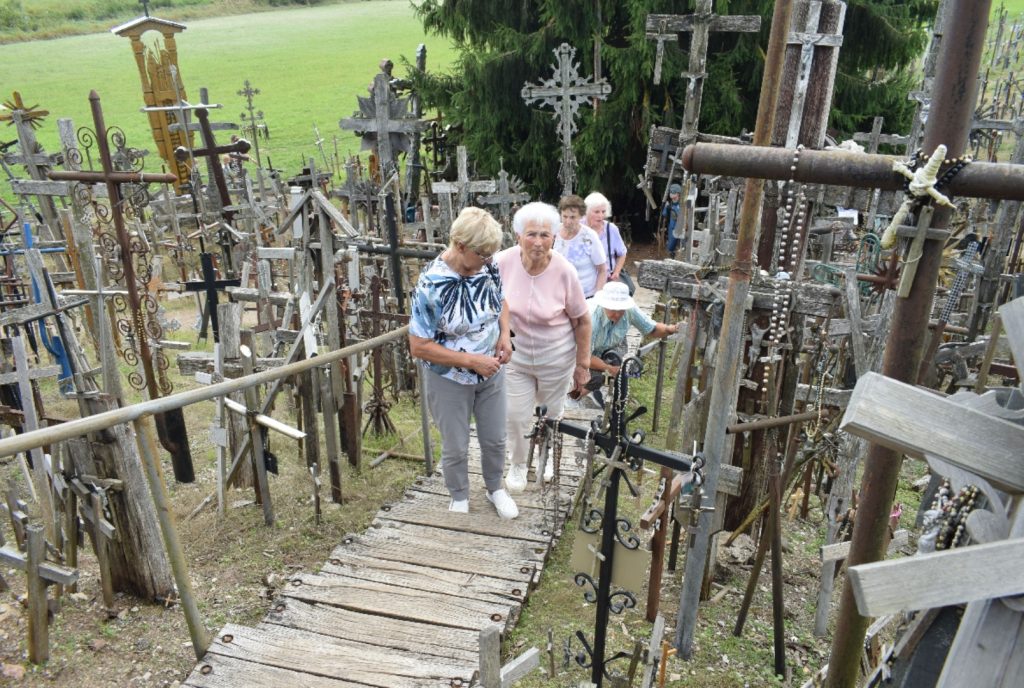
[485,257]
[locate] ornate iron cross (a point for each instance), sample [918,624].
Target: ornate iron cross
[564,92]
[126,258]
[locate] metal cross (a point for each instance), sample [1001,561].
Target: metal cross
[170,425]
[564,92]
[211,285]
[383,122]
[145,6]
[254,122]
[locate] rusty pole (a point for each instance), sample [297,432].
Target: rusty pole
[952,106]
[723,389]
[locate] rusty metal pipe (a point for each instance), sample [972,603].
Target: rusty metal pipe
[861,170]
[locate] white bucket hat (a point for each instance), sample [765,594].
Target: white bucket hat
[615,297]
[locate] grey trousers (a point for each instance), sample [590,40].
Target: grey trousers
[451,405]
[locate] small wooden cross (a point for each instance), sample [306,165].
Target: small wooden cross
[462,187]
[504,198]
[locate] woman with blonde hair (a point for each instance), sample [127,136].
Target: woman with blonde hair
[460,330]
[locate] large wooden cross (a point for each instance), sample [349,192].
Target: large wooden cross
[212,152]
[986,576]
[383,122]
[170,425]
[663,27]
[564,92]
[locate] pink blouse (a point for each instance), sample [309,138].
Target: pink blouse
[541,305]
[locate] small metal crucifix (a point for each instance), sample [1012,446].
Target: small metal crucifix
[564,92]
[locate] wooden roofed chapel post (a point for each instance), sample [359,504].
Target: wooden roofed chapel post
[954,96]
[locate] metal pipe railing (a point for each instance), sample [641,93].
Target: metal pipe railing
[127,414]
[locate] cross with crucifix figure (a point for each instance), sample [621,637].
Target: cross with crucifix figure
[384,123]
[210,285]
[701,24]
[564,92]
[142,307]
[815,45]
[461,188]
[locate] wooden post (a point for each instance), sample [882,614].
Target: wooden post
[147,452]
[490,657]
[252,402]
[723,390]
[38,628]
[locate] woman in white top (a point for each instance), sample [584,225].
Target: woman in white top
[581,246]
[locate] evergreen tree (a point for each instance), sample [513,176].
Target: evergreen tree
[504,44]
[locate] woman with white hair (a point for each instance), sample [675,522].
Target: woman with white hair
[551,327]
[460,330]
[599,210]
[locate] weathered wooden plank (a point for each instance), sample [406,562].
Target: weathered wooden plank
[519,667]
[841,550]
[477,586]
[517,560]
[218,671]
[251,295]
[364,663]
[988,649]
[836,398]
[675,23]
[401,634]
[192,362]
[916,422]
[371,597]
[432,510]
[939,579]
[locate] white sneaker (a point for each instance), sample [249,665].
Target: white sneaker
[549,470]
[503,503]
[459,506]
[515,481]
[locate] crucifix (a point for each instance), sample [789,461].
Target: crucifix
[212,152]
[254,122]
[383,123]
[170,425]
[564,92]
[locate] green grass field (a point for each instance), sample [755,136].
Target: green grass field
[309,64]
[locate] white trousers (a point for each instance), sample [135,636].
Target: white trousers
[544,381]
